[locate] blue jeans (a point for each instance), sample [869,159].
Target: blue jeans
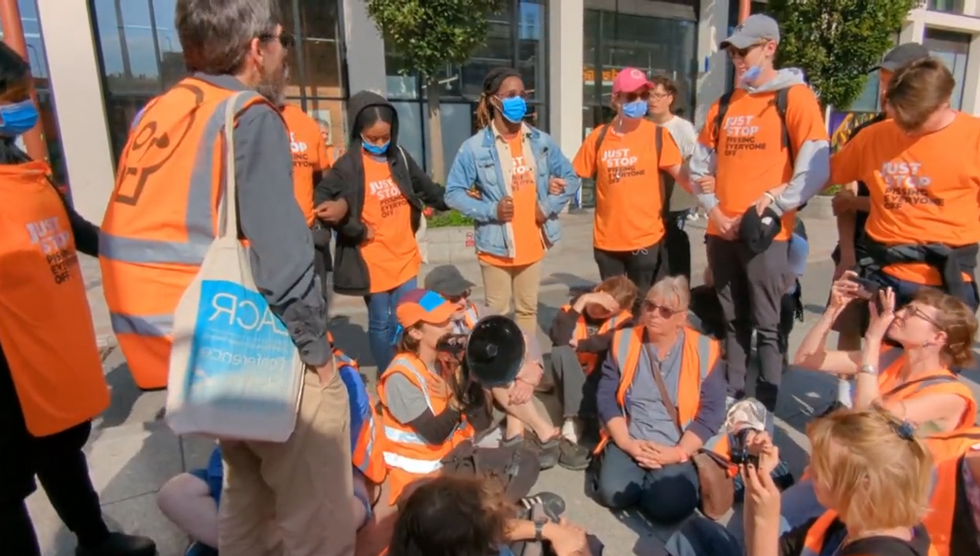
[665,495]
[382,322]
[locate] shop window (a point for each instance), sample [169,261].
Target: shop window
[954,50]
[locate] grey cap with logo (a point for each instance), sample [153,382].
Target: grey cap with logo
[754,30]
[901,55]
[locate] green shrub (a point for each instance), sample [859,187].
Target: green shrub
[449,219]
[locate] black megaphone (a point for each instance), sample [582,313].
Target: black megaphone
[495,351]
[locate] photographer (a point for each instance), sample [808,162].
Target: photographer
[424,418]
[871,472]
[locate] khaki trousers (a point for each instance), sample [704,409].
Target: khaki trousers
[518,283]
[293,498]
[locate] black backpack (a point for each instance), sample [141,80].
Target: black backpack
[781,102]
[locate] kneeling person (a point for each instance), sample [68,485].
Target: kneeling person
[581,333]
[661,398]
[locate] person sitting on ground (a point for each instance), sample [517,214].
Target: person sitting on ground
[648,461]
[915,380]
[871,472]
[580,334]
[456,516]
[515,400]
[191,500]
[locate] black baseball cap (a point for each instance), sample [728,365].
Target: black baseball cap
[447,280]
[757,231]
[902,54]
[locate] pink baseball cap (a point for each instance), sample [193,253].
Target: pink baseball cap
[630,80]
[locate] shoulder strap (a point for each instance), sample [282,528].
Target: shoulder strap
[782,103]
[664,396]
[924,381]
[659,146]
[723,103]
[598,143]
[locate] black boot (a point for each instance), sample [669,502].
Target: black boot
[120,544]
[767,393]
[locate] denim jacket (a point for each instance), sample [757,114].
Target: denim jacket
[478,164]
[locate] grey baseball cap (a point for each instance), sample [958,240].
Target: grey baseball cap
[901,55]
[754,30]
[446,280]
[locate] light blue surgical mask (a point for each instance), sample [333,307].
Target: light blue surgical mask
[18,118]
[751,75]
[513,109]
[375,149]
[636,109]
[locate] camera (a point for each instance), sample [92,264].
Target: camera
[738,448]
[743,418]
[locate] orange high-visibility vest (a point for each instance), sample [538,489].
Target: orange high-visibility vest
[589,360]
[45,323]
[310,156]
[364,453]
[699,354]
[406,454]
[161,218]
[817,534]
[940,382]
[951,445]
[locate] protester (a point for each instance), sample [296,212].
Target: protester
[454,516]
[935,333]
[924,224]
[627,158]
[954,509]
[159,223]
[681,203]
[871,472]
[385,189]
[191,500]
[581,334]
[513,180]
[652,438]
[51,383]
[852,204]
[423,418]
[516,400]
[765,166]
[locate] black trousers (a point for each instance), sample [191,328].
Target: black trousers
[643,266]
[678,245]
[59,464]
[322,265]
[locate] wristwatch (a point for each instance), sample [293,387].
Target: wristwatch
[539,529]
[868,370]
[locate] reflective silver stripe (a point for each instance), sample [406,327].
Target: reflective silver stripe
[198,218]
[157,326]
[930,382]
[888,358]
[404,437]
[411,368]
[704,354]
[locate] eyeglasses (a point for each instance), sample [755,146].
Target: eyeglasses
[664,311]
[914,311]
[287,40]
[457,298]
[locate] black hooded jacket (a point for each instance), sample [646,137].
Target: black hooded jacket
[346,180]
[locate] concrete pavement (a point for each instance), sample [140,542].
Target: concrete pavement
[132,452]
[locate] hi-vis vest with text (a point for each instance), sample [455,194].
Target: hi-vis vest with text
[407,455]
[45,323]
[365,453]
[161,219]
[589,360]
[699,354]
[816,537]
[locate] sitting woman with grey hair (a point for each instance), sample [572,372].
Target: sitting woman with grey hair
[661,399]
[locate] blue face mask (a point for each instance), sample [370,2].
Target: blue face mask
[636,109]
[375,149]
[513,109]
[751,75]
[18,118]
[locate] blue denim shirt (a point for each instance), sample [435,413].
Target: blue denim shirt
[477,164]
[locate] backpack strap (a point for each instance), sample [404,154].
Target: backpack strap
[782,103]
[598,143]
[659,146]
[723,103]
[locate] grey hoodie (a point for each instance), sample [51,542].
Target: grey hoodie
[810,171]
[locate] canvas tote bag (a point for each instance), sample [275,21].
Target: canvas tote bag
[234,370]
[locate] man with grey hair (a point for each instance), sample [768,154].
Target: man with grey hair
[287,498]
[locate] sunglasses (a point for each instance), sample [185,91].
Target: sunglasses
[287,40]
[662,310]
[742,52]
[633,97]
[457,298]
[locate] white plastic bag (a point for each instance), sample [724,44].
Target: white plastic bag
[234,370]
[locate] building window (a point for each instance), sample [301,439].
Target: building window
[949,6]
[954,50]
[141,57]
[42,85]
[517,38]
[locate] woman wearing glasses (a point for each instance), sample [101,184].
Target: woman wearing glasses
[625,158]
[513,180]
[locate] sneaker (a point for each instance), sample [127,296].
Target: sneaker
[120,544]
[549,451]
[572,455]
[552,504]
[200,549]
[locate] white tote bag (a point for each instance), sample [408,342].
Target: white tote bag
[234,370]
